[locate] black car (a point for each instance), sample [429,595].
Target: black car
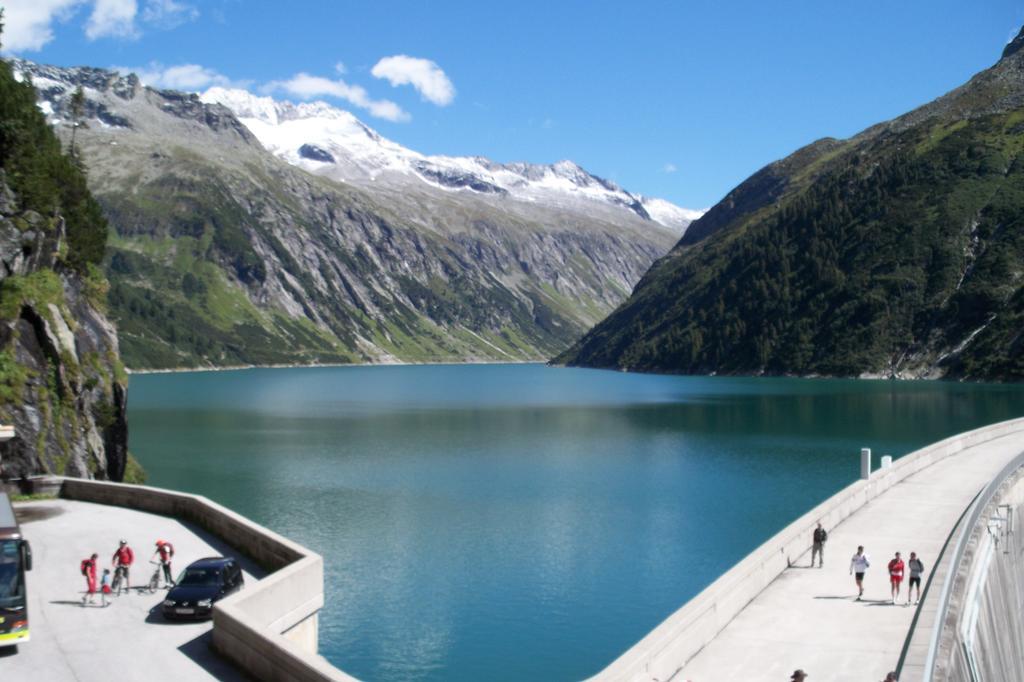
[202,584]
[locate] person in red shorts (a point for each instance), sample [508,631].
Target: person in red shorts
[105,587]
[88,568]
[896,576]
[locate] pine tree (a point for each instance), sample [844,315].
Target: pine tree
[77,108]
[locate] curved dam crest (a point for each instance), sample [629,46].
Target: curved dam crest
[523,522]
[783,613]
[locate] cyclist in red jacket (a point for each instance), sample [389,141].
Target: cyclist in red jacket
[166,552]
[122,561]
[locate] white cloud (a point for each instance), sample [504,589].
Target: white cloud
[186,77]
[340,68]
[424,75]
[168,14]
[29,23]
[305,86]
[669,168]
[112,18]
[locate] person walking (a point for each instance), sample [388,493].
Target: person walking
[798,676]
[818,545]
[916,567]
[122,561]
[166,552]
[859,564]
[88,568]
[896,568]
[105,587]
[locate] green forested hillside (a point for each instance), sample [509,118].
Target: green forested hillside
[899,252]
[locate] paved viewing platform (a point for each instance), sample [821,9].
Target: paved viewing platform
[127,640]
[808,617]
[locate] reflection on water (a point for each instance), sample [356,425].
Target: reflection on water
[521,522]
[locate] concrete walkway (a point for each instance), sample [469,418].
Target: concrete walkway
[808,618]
[124,641]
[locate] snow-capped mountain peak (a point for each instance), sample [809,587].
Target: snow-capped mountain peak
[244,104]
[667,213]
[329,141]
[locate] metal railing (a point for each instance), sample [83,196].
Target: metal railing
[977,508]
[928,585]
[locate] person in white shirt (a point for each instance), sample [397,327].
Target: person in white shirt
[859,564]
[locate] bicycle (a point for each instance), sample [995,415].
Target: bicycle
[121,572]
[154,582]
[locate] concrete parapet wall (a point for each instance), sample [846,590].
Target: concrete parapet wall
[666,649]
[268,629]
[268,549]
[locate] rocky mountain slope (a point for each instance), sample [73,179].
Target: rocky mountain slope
[221,253]
[898,252]
[61,382]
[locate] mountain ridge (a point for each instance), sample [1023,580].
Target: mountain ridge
[221,253]
[898,252]
[350,151]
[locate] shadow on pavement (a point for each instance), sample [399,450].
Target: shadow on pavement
[200,651]
[76,602]
[6,651]
[30,513]
[845,596]
[156,617]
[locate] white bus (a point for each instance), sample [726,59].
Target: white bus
[15,559]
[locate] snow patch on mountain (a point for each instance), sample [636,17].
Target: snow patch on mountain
[329,141]
[670,215]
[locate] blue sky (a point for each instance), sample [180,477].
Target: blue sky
[681,100]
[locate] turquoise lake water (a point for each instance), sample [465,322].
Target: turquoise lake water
[520,522]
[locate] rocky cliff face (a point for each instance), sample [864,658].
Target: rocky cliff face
[61,384]
[222,254]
